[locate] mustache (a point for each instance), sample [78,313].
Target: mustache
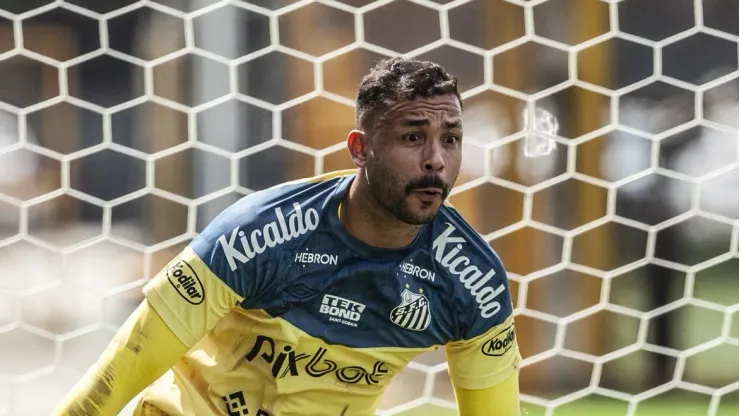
[429,181]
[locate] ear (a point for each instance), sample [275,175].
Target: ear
[357,146]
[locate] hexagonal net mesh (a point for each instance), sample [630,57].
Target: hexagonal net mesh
[125,126]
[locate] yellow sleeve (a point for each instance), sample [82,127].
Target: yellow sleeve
[143,349]
[486,360]
[189,297]
[499,400]
[183,302]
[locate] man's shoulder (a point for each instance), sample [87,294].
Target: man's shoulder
[453,237]
[267,219]
[470,264]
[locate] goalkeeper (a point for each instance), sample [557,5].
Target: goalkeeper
[309,297]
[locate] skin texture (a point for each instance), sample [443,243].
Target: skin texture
[413,146]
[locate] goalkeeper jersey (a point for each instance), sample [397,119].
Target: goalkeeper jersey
[286,313]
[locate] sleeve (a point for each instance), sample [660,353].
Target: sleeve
[487,353]
[189,297]
[142,350]
[500,400]
[238,260]
[217,272]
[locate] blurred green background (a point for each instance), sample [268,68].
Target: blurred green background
[673,406]
[711,368]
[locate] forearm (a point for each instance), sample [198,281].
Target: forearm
[142,350]
[499,400]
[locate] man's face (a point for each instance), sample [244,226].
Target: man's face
[414,156]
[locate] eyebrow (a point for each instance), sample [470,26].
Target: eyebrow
[418,122]
[452,124]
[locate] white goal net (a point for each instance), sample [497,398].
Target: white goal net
[125,126]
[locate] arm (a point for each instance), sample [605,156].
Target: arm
[183,302]
[499,400]
[484,372]
[483,359]
[143,349]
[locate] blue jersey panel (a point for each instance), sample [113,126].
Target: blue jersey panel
[285,251]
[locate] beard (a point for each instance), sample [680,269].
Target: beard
[391,190]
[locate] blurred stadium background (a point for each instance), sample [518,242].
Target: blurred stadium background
[125,126]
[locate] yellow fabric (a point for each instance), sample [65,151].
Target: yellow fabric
[190,297]
[246,360]
[499,400]
[254,362]
[142,350]
[225,359]
[486,360]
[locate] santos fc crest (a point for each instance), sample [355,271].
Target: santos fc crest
[413,312]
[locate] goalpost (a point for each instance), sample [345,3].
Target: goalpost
[620,243]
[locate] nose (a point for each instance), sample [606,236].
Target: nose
[433,160]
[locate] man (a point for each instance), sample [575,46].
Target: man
[308,297]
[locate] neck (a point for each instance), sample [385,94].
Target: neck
[370,222]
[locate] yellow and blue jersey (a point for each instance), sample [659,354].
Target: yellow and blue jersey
[286,313]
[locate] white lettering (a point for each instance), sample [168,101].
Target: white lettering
[453,265]
[491,309]
[286,236]
[475,285]
[271,235]
[256,242]
[312,219]
[341,310]
[316,258]
[417,271]
[247,250]
[485,295]
[471,276]
[470,273]
[230,252]
[295,222]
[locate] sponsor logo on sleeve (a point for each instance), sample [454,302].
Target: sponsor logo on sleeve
[272,234]
[184,279]
[447,251]
[500,343]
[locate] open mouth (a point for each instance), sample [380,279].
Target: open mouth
[431,192]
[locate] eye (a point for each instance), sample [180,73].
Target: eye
[412,138]
[452,139]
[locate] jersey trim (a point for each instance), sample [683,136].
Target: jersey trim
[486,360]
[320,178]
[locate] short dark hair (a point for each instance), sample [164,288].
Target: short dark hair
[395,79]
